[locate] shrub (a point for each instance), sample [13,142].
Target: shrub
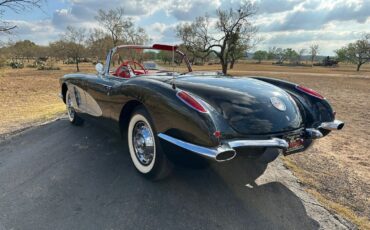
[16,65]
[2,61]
[48,65]
[48,68]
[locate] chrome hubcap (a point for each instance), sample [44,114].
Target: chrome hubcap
[70,110]
[143,142]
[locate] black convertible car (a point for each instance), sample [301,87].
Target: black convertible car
[162,111]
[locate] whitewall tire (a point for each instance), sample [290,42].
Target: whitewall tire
[144,146]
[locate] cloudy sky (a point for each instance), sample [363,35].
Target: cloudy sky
[281,23]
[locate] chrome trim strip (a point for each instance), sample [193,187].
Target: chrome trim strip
[272,143]
[333,125]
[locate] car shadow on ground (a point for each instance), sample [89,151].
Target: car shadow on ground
[64,177]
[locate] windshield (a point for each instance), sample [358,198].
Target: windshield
[133,62]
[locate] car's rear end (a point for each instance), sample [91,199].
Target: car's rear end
[255,117]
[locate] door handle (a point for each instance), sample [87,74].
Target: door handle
[108,88]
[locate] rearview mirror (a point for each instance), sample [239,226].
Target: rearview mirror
[99,68]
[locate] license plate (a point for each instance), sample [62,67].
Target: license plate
[295,144]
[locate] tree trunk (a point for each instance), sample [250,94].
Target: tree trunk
[77,67]
[358,66]
[224,67]
[232,64]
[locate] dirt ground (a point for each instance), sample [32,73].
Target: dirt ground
[336,169]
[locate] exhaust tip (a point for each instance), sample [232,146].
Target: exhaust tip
[313,133]
[333,125]
[226,155]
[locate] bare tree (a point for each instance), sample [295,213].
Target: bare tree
[314,51]
[357,53]
[98,43]
[72,44]
[301,53]
[233,31]
[121,28]
[137,36]
[116,25]
[238,49]
[193,36]
[16,6]
[279,54]
[113,22]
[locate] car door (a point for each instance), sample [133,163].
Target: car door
[97,96]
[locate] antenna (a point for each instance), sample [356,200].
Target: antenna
[173,67]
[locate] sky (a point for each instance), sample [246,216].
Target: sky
[281,23]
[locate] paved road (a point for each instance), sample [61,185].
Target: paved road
[58,176]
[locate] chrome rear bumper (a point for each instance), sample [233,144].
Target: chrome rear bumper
[270,143]
[225,151]
[220,153]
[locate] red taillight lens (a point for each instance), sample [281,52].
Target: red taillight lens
[217,134]
[309,91]
[191,101]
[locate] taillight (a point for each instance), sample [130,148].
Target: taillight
[191,101]
[309,91]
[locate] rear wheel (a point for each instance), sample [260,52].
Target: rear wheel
[72,114]
[145,150]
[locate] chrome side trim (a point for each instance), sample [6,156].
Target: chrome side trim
[333,125]
[207,152]
[271,143]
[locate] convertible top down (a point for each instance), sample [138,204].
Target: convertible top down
[162,112]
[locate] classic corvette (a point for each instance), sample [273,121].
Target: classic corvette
[162,112]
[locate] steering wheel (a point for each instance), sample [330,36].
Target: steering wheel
[125,70]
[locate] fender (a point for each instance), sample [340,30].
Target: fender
[168,112]
[314,110]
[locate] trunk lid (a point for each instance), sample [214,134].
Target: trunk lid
[246,104]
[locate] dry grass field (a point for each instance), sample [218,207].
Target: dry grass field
[336,170]
[29,95]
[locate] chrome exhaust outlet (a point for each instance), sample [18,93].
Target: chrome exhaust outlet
[333,125]
[225,154]
[219,154]
[313,134]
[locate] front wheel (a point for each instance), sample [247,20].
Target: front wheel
[72,114]
[145,150]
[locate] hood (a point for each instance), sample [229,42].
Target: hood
[246,104]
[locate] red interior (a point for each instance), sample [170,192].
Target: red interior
[125,69]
